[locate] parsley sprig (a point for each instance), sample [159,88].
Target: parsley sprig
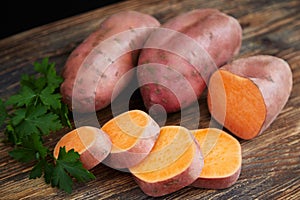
[35,111]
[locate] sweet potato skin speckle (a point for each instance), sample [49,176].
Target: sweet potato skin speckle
[94,67]
[217,34]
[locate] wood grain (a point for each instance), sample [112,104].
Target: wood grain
[271,162]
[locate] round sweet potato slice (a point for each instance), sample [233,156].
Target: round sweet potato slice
[222,159]
[174,162]
[133,135]
[91,143]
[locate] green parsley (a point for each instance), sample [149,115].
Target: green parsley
[68,164]
[35,111]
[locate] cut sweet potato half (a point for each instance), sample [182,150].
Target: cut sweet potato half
[247,95]
[91,143]
[245,110]
[222,159]
[133,135]
[174,162]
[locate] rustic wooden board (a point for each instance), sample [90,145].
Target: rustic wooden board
[271,162]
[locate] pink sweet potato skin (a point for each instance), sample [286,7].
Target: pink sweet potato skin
[138,152]
[218,34]
[96,153]
[217,183]
[177,182]
[96,81]
[131,157]
[273,77]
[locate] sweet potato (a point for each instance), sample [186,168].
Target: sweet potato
[174,162]
[247,95]
[133,134]
[97,64]
[178,58]
[91,143]
[222,159]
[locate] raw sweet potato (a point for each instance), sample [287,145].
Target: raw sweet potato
[91,143]
[247,95]
[222,159]
[98,63]
[133,135]
[178,58]
[174,162]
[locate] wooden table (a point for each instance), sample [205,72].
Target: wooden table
[271,162]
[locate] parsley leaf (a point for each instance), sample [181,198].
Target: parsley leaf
[48,172]
[48,71]
[34,141]
[37,170]
[36,83]
[69,163]
[45,122]
[42,67]
[61,179]
[32,149]
[18,116]
[52,79]
[49,99]
[25,97]
[42,167]
[23,154]
[32,120]
[3,113]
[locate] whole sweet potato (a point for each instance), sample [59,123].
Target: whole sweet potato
[178,59]
[98,63]
[247,95]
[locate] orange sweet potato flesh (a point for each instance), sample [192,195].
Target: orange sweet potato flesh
[248,94]
[133,135]
[174,162]
[92,144]
[245,107]
[223,160]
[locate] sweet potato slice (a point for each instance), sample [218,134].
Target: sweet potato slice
[222,159]
[133,135]
[247,95]
[91,143]
[174,162]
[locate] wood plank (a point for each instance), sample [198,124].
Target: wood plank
[271,162]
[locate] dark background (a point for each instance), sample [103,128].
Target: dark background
[18,16]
